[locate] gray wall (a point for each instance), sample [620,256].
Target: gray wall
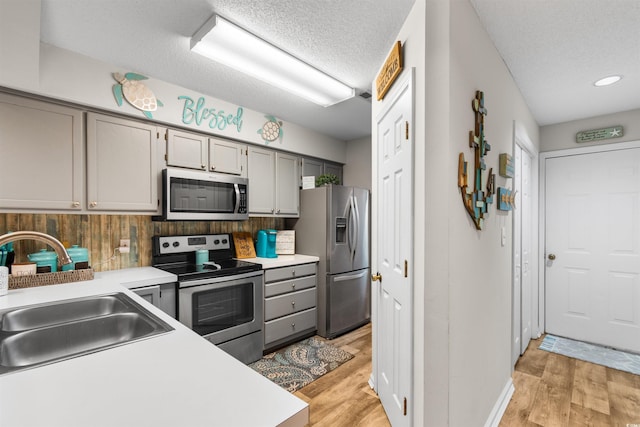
[563,135]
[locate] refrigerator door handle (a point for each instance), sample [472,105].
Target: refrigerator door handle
[350,277]
[353,230]
[356,230]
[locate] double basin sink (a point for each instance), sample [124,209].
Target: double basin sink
[40,334]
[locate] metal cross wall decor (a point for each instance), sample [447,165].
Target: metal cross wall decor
[477,202]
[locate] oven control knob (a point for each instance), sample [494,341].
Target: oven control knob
[225,241]
[216,242]
[176,244]
[165,245]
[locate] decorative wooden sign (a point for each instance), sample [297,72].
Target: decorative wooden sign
[476,203]
[390,71]
[506,199]
[243,243]
[506,165]
[599,134]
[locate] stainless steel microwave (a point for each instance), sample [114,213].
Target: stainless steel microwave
[203,196]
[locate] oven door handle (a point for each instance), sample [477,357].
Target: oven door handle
[214,280]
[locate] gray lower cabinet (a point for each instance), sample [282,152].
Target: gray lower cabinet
[162,296]
[289,304]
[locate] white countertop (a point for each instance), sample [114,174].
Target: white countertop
[283,260]
[138,277]
[174,379]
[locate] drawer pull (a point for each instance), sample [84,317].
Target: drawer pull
[293,325]
[293,303]
[293,286]
[293,272]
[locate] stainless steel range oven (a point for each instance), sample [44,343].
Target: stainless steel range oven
[220,299]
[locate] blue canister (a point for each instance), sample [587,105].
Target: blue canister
[79,257]
[45,258]
[202,256]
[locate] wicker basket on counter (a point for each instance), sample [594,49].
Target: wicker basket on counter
[44,279]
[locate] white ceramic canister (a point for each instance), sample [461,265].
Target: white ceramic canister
[4,280]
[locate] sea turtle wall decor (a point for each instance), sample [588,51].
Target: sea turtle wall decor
[131,88]
[477,202]
[271,130]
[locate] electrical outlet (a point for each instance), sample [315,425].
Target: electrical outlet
[125,245]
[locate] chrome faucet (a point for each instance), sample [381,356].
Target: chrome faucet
[63,256]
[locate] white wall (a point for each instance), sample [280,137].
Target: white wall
[357,171]
[563,135]
[462,277]
[19,42]
[479,267]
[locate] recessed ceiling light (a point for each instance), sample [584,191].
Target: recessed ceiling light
[606,81]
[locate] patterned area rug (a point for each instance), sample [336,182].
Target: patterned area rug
[599,355]
[299,364]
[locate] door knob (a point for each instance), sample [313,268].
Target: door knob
[376,277]
[551,257]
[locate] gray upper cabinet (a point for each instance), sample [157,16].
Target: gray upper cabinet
[334,169]
[316,167]
[227,157]
[262,170]
[311,167]
[42,160]
[273,183]
[196,151]
[287,190]
[122,173]
[187,150]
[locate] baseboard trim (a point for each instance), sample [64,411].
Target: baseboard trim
[501,405]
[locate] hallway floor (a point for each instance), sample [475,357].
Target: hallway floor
[556,391]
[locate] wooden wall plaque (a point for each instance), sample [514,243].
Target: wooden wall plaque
[243,242]
[390,70]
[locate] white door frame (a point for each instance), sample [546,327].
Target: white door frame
[522,140]
[542,205]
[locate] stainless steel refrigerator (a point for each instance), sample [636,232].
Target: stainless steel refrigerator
[334,226]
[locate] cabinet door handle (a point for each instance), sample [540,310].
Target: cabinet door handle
[93,204]
[278,211]
[203,166]
[76,204]
[213,168]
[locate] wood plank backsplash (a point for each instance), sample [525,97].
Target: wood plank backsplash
[101,234]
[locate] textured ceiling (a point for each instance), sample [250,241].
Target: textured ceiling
[557,49]
[346,39]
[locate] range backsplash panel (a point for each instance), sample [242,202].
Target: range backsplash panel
[101,234]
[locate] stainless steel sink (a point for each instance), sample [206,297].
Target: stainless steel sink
[46,333]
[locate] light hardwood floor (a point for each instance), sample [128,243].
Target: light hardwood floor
[551,391]
[343,396]
[554,390]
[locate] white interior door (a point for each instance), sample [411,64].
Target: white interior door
[394,206]
[592,273]
[524,211]
[522,249]
[517,260]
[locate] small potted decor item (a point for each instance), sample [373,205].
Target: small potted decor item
[327,178]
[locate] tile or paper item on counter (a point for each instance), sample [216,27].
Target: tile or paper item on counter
[286,242]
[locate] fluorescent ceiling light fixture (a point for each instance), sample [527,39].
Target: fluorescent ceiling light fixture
[224,42]
[606,81]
